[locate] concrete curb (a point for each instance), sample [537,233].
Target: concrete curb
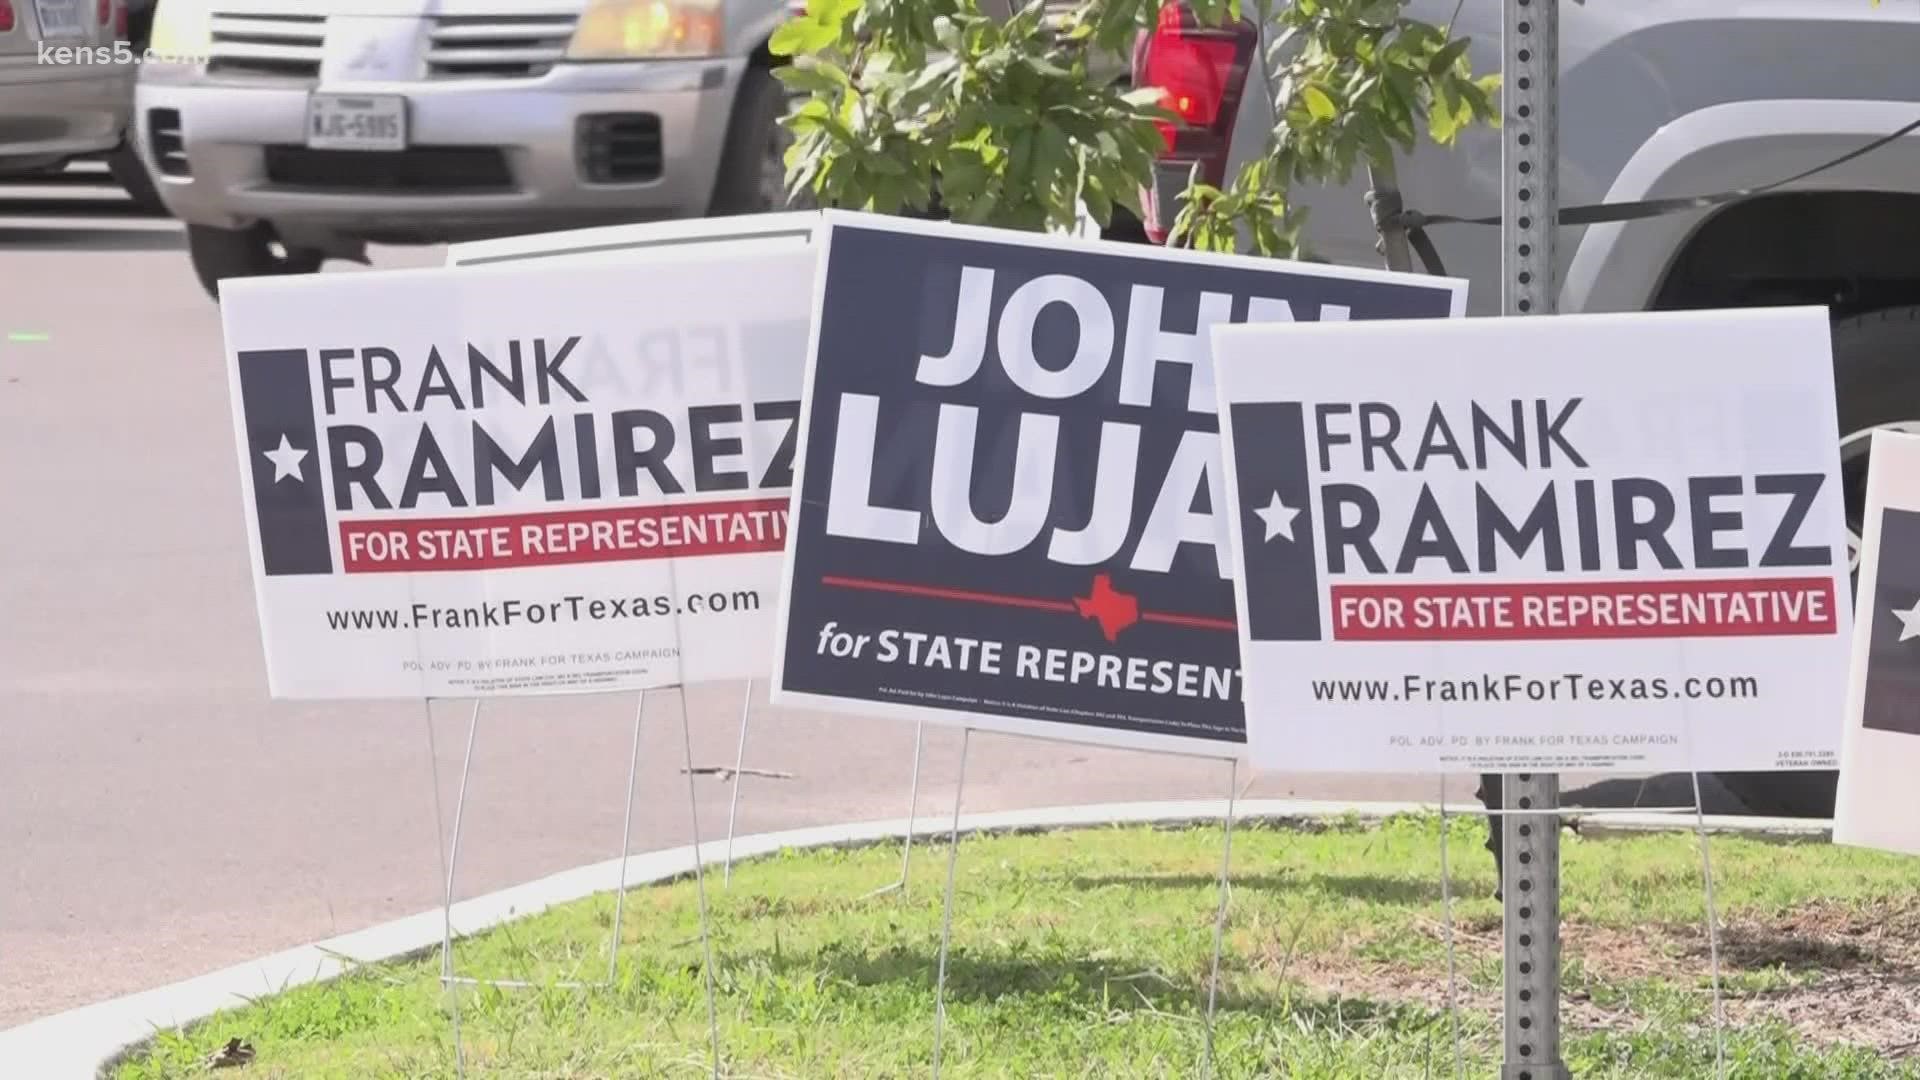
[81,1043]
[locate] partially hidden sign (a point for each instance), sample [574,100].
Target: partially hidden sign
[1879,799]
[518,480]
[1008,511]
[1577,542]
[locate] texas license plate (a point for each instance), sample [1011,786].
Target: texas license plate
[61,18]
[356,122]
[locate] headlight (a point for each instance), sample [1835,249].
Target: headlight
[639,29]
[182,30]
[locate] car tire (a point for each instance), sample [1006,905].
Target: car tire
[1876,375]
[219,254]
[752,172]
[131,174]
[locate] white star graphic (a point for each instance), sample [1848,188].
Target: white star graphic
[1909,621]
[286,461]
[1278,517]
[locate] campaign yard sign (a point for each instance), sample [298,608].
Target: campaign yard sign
[1879,801]
[614,243]
[1578,542]
[518,479]
[1007,508]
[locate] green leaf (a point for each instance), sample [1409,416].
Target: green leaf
[1480,93]
[832,12]
[963,177]
[1007,116]
[1377,146]
[803,36]
[795,37]
[1447,114]
[1040,65]
[1319,105]
[1098,204]
[1054,155]
[981,212]
[933,73]
[1020,158]
[1266,239]
[1444,60]
[811,78]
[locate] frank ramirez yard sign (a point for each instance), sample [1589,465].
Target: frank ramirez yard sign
[1583,542]
[519,479]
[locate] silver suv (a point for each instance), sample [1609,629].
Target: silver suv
[61,92]
[308,128]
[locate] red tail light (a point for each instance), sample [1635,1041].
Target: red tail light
[7,20]
[1200,72]
[104,13]
[121,18]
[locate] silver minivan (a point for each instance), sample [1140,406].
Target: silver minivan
[308,128]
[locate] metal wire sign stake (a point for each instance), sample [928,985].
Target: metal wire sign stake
[913,810]
[450,860]
[946,910]
[740,771]
[1530,205]
[1220,913]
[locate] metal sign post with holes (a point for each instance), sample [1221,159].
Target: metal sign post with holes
[1530,827]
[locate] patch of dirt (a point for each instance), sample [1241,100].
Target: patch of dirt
[1856,969]
[1843,973]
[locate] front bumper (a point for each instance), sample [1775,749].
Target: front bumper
[54,111]
[227,163]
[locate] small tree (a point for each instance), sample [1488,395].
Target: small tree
[1015,119]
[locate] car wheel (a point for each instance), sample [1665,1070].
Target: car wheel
[131,174]
[1876,374]
[219,254]
[753,165]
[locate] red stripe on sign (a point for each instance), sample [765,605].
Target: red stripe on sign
[561,537]
[937,592]
[1194,622]
[1717,607]
[1087,608]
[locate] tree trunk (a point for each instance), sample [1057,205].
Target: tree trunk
[1383,200]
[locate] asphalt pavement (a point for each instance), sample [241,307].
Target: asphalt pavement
[161,817]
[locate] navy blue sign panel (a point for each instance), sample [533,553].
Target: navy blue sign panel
[1011,502]
[1283,580]
[1893,653]
[276,394]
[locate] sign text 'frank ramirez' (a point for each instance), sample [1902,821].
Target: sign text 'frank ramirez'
[1569,543]
[519,480]
[1006,505]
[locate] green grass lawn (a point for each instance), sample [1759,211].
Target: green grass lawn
[1085,954]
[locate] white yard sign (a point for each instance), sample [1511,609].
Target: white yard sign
[618,243]
[1571,543]
[1879,804]
[518,480]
